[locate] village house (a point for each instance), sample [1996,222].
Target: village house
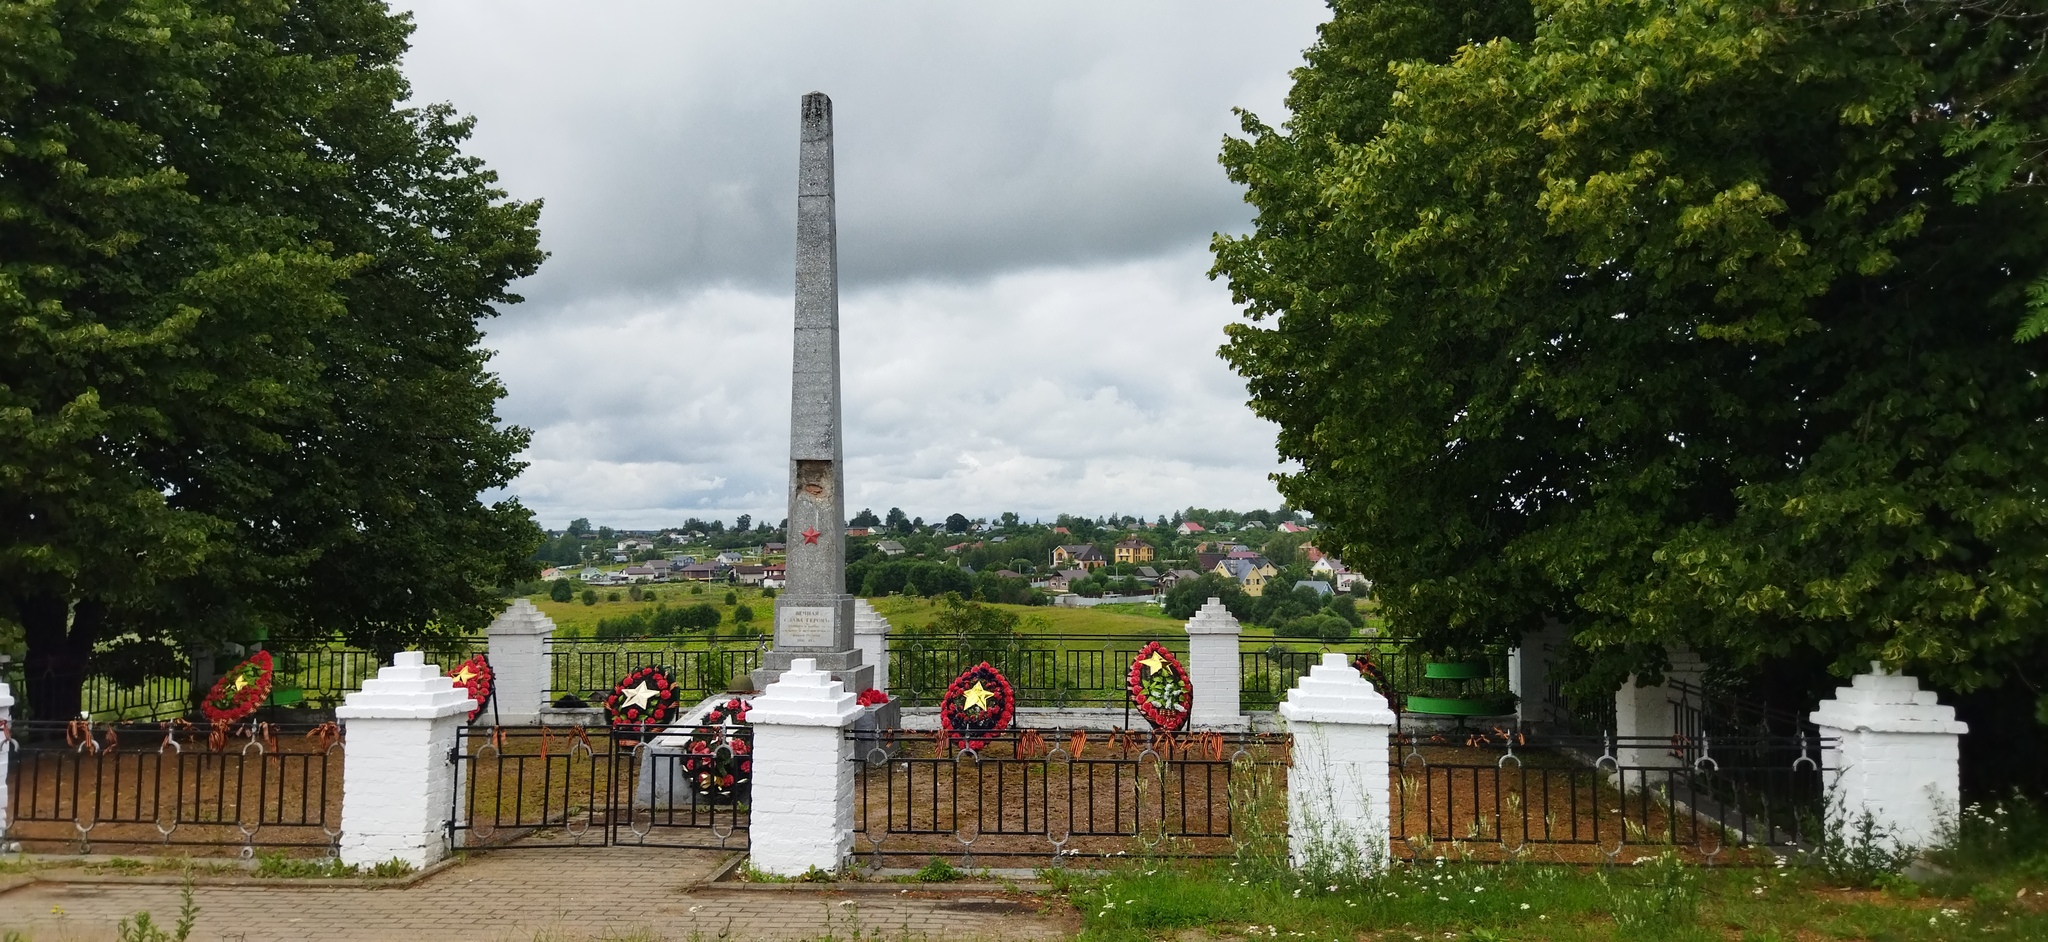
[774,576]
[1063,579]
[1078,555]
[857,531]
[1174,577]
[1132,551]
[1190,528]
[697,572]
[890,548]
[1250,572]
[639,574]
[1291,527]
[748,575]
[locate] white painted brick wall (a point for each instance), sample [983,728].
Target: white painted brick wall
[802,812]
[1896,755]
[1644,713]
[1213,667]
[871,638]
[519,639]
[397,783]
[1337,800]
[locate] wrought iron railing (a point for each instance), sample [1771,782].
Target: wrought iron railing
[541,786]
[1059,795]
[1504,793]
[1069,670]
[130,786]
[587,668]
[1270,668]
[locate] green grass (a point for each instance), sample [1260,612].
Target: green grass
[1537,902]
[1123,620]
[582,619]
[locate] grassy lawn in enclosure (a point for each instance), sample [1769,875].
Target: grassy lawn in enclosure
[1480,902]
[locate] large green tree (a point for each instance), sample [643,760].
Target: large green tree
[1677,321]
[241,382]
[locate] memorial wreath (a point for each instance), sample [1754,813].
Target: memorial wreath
[1160,687]
[977,707]
[719,758]
[239,691]
[644,699]
[476,677]
[1370,670]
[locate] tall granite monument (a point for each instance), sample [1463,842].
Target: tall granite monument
[814,613]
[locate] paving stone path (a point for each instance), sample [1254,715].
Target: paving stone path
[553,896]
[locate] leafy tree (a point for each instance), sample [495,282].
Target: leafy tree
[866,518]
[957,523]
[742,615]
[897,521]
[561,591]
[1689,321]
[579,527]
[745,522]
[242,385]
[1189,595]
[590,596]
[731,597]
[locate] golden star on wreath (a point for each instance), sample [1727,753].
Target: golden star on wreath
[465,675]
[241,680]
[1154,664]
[638,695]
[977,696]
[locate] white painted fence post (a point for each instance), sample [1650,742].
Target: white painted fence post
[519,639]
[1642,715]
[6,753]
[1337,803]
[1213,667]
[803,772]
[1529,666]
[1895,756]
[871,637]
[398,784]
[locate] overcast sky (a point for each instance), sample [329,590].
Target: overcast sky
[1026,197]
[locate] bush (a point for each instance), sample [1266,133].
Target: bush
[742,615]
[611,596]
[1187,597]
[561,591]
[1321,627]
[696,590]
[632,592]
[731,597]
[590,596]
[767,593]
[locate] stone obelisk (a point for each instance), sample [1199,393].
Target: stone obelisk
[814,613]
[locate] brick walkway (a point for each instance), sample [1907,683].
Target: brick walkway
[555,896]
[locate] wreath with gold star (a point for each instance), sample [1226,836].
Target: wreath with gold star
[719,758]
[1161,688]
[977,707]
[642,701]
[476,677]
[1370,670]
[239,691]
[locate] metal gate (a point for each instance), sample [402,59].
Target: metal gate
[546,786]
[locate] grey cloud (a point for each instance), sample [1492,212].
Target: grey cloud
[972,138]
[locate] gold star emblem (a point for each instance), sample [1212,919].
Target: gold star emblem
[241,680]
[1154,664]
[977,696]
[465,675]
[638,695]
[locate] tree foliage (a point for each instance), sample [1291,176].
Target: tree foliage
[240,377]
[1678,321]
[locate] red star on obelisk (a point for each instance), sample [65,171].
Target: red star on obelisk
[811,535]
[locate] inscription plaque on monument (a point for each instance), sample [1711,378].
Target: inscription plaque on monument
[804,626]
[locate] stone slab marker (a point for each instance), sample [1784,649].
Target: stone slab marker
[1338,808]
[1895,756]
[871,635]
[1213,666]
[519,639]
[814,613]
[802,805]
[398,780]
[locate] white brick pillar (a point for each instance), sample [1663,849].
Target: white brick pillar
[1337,802]
[1895,756]
[871,638]
[803,772]
[519,639]
[1213,667]
[1529,666]
[6,753]
[1642,714]
[398,785]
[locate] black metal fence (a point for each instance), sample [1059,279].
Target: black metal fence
[541,786]
[1051,795]
[1071,670]
[1270,668]
[127,787]
[1597,798]
[587,668]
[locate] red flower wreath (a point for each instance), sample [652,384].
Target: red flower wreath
[719,758]
[978,705]
[1370,670]
[643,700]
[1160,687]
[476,677]
[871,697]
[239,691]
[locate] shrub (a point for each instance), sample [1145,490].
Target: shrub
[561,591]
[590,596]
[742,615]
[767,593]
[611,596]
[731,597]
[696,590]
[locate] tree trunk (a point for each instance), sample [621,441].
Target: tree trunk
[60,642]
